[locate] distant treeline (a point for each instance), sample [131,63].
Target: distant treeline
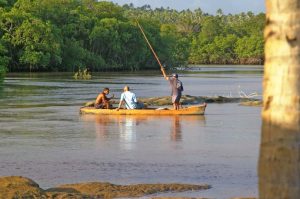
[55,35]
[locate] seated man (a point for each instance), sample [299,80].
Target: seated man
[129,99]
[102,101]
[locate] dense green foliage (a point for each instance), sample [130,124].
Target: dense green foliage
[208,39]
[55,35]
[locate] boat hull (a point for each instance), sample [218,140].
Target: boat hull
[192,110]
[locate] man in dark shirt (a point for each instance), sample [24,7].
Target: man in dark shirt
[177,89]
[102,101]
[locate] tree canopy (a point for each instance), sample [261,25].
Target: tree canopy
[55,35]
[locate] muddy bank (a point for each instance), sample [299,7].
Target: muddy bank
[190,100]
[20,187]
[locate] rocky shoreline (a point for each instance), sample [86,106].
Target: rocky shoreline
[21,187]
[17,187]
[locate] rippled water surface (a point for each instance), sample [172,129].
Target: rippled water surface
[43,136]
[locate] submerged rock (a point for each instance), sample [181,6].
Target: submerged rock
[252,103]
[186,100]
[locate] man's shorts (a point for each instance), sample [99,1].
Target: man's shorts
[140,105]
[176,98]
[99,106]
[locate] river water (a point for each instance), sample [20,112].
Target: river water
[43,136]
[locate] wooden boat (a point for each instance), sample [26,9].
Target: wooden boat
[191,110]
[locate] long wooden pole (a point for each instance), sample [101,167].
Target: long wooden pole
[151,48]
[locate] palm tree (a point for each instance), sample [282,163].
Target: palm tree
[279,161]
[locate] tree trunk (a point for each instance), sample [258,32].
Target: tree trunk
[279,161]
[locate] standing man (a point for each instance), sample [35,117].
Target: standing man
[177,88]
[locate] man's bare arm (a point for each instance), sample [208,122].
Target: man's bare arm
[120,104]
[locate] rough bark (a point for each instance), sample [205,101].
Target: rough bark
[279,162]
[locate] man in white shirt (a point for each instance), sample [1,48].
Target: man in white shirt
[129,99]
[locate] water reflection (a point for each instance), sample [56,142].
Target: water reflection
[124,126]
[101,127]
[127,127]
[176,129]
[128,130]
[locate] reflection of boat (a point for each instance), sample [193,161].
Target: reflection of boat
[127,127]
[192,110]
[105,128]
